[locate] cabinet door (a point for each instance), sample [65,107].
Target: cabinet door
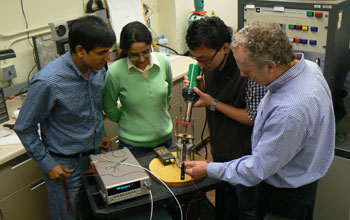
[175,109]
[111,132]
[198,115]
[18,173]
[28,203]
[176,96]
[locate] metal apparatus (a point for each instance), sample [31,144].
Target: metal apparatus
[185,134]
[117,181]
[318,29]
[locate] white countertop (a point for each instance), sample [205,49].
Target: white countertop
[179,65]
[10,151]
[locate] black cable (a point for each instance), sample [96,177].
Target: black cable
[28,76]
[148,10]
[26,21]
[202,137]
[28,39]
[22,90]
[168,48]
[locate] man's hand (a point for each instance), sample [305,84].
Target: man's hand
[196,169]
[106,143]
[60,172]
[204,100]
[201,83]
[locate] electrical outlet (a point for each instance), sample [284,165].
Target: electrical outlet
[8,72]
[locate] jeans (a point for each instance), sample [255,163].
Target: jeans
[57,195]
[143,150]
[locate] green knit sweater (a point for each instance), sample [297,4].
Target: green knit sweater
[143,120]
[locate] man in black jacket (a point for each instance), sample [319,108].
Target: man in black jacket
[231,102]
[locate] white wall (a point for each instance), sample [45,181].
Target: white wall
[174,15]
[153,4]
[168,17]
[39,13]
[225,9]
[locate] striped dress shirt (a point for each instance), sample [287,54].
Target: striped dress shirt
[294,133]
[68,107]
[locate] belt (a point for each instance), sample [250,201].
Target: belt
[77,155]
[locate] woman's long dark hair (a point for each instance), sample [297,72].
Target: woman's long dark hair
[133,32]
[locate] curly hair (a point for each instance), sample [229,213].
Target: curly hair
[264,42]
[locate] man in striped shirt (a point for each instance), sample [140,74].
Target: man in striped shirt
[294,133]
[65,98]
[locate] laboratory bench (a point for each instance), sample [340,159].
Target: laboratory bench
[22,185]
[179,65]
[23,193]
[191,198]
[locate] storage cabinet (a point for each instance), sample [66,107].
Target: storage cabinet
[23,192]
[111,132]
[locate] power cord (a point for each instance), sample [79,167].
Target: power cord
[171,192]
[151,198]
[204,143]
[155,43]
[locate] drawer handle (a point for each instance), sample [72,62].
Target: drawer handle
[41,182]
[20,163]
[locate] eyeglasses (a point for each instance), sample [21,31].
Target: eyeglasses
[135,56]
[210,61]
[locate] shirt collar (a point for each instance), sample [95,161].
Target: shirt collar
[153,60]
[221,67]
[289,74]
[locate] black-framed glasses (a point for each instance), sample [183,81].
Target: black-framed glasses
[210,61]
[136,56]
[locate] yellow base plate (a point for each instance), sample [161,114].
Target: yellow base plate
[171,174]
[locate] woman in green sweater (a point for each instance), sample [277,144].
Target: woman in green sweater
[142,82]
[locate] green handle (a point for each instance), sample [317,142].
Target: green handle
[193,72]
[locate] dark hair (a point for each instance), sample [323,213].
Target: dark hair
[209,31]
[90,32]
[131,33]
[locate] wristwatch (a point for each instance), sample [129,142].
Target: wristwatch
[213,105]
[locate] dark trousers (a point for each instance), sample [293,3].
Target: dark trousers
[234,202]
[292,203]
